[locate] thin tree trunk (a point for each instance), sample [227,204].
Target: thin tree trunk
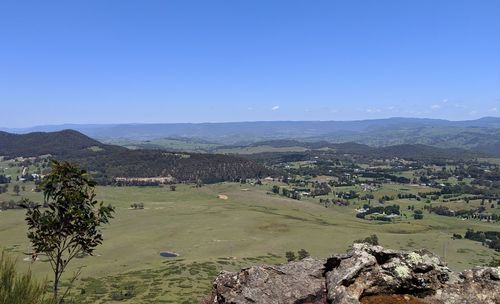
[56,283]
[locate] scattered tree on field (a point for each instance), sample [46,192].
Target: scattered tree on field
[418,214]
[276,189]
[16,189]
[137,206]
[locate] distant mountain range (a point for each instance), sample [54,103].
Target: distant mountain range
[407,151]
[481,135]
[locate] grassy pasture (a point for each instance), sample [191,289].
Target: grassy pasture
[258,149]
[495,160]
[250,227]
[186,145]
[193,145]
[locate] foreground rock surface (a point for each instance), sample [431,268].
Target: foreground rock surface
[295,282]
[366,274]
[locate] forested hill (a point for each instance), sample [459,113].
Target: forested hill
[108,161]
[63,143]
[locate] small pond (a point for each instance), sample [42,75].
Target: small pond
[167,254]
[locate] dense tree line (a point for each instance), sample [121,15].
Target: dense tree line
[209,168]
[4,179]
[407,196]
[477,213]
[391,177]
[392,209]
[489,238]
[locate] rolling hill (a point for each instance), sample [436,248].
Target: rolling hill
[107,162]
[64,143]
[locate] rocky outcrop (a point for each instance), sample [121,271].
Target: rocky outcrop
[479,285]
[366,274]
[295,282]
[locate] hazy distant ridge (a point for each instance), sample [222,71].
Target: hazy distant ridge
[480,135]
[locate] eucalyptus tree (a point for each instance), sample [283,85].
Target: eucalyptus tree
[70,225]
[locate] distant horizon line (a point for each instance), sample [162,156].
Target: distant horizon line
[242,121]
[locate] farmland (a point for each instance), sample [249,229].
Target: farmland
[252,226]
[320,200]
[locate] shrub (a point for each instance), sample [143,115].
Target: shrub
[16,288]
[302,253]
[290,256]
[276,189]
[494,262]
[372,240]
[418,214]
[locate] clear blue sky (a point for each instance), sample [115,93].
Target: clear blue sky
[104,61]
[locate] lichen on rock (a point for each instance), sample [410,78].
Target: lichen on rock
[402,271]
[415,258]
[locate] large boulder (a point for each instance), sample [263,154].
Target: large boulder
[366,274]
[372,270]
[295,282]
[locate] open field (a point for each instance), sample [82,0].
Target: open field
[211,234]
[258,149]
[492,160]
[185,145]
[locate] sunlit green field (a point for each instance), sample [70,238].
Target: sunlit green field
[259,149]
[211,234]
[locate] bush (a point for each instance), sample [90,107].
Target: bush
[16,288]
[494,262]
[372,240]
[128,293]
[302,253]
[290,256]
[276,189]
[418,214]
